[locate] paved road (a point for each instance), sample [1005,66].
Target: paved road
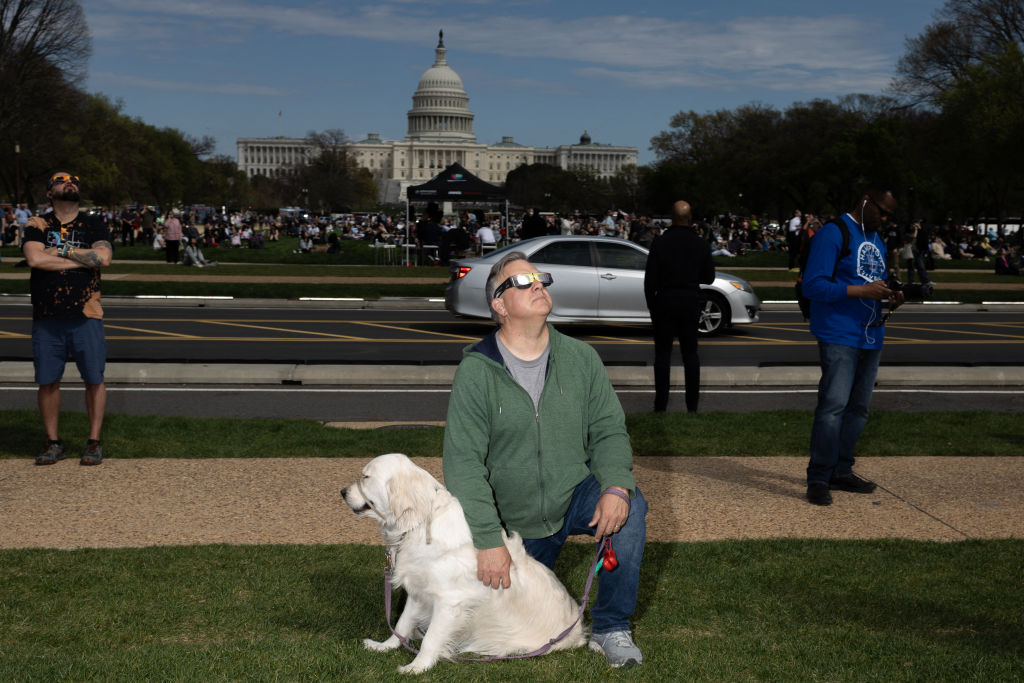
[395,362]
[293,332]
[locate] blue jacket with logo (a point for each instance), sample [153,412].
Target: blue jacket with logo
[836,318]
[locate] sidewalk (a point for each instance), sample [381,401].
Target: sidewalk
[149,502]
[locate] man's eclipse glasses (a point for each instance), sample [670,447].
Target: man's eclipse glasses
[522,281]
[64,178]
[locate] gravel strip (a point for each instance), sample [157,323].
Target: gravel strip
[149,502]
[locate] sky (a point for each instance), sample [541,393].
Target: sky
[541,71]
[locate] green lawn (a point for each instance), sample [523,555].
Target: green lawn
[766,433]
[786,610]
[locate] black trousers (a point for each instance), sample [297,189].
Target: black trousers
[172,250]
[793,247]
[676,317]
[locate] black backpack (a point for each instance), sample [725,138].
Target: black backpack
[805,252]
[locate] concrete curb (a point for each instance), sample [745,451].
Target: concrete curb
[441,375]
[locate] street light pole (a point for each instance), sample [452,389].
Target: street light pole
[17,172]
[20,232]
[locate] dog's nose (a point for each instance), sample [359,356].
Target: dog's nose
[344,491]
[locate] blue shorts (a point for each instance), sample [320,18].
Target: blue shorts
[57,340]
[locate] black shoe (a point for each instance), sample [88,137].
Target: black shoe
[818,494]
[852,483]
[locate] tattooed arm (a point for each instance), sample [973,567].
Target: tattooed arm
[55,258]
[98,257]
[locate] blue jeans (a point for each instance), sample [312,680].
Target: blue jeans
[847,380]
[617,589]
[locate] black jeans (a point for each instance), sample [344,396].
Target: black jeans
[676,317]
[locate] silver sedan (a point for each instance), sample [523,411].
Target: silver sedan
[596,279]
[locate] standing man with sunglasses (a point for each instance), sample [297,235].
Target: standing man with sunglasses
[535,443]
[66,248]
[846,289]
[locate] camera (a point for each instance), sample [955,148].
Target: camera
[911,292]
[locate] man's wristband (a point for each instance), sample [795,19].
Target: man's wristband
[64,250]
[621,494]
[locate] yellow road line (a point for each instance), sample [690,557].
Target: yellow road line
[409,329]
[345,337]
[155,333]
[964,332]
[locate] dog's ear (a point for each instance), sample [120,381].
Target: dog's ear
[411,497]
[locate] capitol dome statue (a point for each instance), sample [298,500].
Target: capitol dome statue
[440,105]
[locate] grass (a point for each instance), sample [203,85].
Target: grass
[892,610]
[738,610]
[767,433]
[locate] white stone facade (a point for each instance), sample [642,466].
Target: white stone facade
[440,132]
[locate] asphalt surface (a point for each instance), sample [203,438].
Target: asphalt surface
[354,374]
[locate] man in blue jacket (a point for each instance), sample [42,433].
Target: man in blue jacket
[535,442]
[846,289]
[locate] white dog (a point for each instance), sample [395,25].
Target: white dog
[435,562]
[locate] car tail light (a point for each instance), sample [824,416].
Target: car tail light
[460,272]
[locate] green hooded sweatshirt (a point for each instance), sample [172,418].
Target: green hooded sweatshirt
[516,468]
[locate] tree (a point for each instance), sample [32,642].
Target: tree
[625,189]
[539,185]
[964,33]
[982,121]
[44,51]
[331,181]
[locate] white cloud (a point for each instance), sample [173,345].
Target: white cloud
[104,78]
[798,53]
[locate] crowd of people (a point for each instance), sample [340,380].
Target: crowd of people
[437,238]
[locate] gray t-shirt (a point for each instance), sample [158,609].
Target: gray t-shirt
[529,374]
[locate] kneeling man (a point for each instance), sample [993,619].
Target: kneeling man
[536,443]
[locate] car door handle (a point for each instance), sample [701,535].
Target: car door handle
[609,276]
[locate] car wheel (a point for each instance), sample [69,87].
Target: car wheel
[714,313]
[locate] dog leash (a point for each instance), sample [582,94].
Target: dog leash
[608,562]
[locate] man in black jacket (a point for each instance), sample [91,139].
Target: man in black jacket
[678,264]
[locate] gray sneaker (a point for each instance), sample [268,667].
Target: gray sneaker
[93,454]
[54,452]
[618,647]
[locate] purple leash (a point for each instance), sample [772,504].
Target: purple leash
[536,653]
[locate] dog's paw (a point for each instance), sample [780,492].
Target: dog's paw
[414,667]
[380,645]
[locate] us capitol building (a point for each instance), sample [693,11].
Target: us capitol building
[440,132]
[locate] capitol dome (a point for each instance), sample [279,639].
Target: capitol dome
[440,105]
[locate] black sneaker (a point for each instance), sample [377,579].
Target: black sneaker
[852,483]
[818,494]
[54,452]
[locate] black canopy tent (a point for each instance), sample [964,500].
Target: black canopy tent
[457,185]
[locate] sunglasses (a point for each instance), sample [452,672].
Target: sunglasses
[886,215]
[64,179]
[522,281]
